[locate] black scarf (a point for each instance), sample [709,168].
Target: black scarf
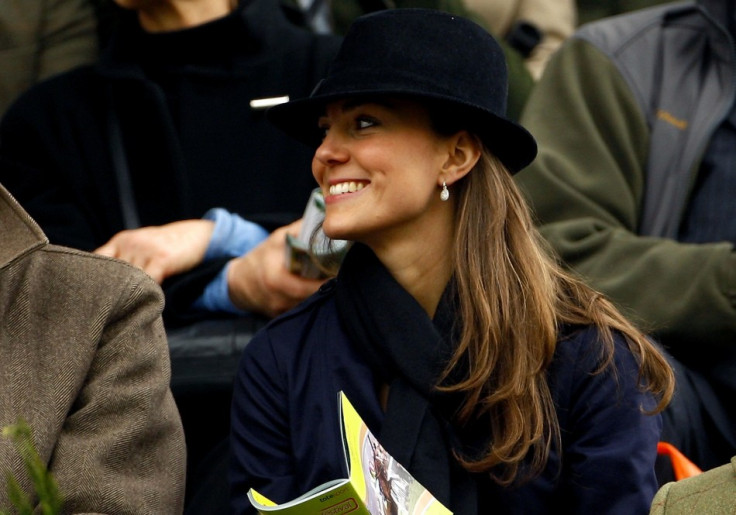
[408,352]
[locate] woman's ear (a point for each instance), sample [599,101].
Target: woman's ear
[464,152]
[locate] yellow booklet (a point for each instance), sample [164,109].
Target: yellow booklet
[377,485]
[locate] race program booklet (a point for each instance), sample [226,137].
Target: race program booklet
[378,484]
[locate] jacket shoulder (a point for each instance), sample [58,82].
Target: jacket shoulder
[69,90]
[616,32]
[84,76]
[319,304]
[295,341]
[88,277]
[713,491]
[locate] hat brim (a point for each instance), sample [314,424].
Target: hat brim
[510,142]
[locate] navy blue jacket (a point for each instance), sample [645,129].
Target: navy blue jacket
[286,433]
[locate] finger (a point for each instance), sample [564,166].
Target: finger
[294,227]
[138,260]
[155,269]
[108,249]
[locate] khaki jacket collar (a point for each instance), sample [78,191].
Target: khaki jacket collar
[19,234]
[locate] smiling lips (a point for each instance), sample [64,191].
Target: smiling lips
[346,187]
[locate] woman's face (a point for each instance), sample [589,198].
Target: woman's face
[379,167]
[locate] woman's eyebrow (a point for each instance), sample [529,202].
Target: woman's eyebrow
[354,103]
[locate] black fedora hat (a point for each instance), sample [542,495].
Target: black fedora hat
[421,53]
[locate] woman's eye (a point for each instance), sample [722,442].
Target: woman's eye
[365,122]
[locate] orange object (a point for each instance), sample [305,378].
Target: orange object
[681,466]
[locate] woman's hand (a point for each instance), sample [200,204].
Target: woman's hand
[260,281]
[162,251]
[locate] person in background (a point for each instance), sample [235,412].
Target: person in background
[168,125]
[85,364]
[498,380]
[634,190]
[176,248]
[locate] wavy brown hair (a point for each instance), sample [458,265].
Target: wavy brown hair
[514,297]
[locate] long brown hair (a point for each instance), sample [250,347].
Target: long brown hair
[513,300]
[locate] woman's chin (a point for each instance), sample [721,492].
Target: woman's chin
[338,231]
[337,234]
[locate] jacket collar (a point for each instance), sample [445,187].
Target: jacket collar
[19,234]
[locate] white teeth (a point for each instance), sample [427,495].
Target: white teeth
[345,187]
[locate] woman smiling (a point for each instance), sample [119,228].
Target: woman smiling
[499,381]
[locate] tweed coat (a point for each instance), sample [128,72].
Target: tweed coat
[84,360]
[712,492]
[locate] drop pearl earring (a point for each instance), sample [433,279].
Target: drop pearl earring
[445,193]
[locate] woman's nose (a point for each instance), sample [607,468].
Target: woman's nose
[332,150]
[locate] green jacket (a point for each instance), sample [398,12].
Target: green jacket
[713,492]
[603,122]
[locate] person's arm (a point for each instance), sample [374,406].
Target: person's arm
[586,188]
[260,429]
[257,281]
[660,502]
[121,448]
[609,438]
[162,251]
[232,235]
[260,280]
[177,247]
